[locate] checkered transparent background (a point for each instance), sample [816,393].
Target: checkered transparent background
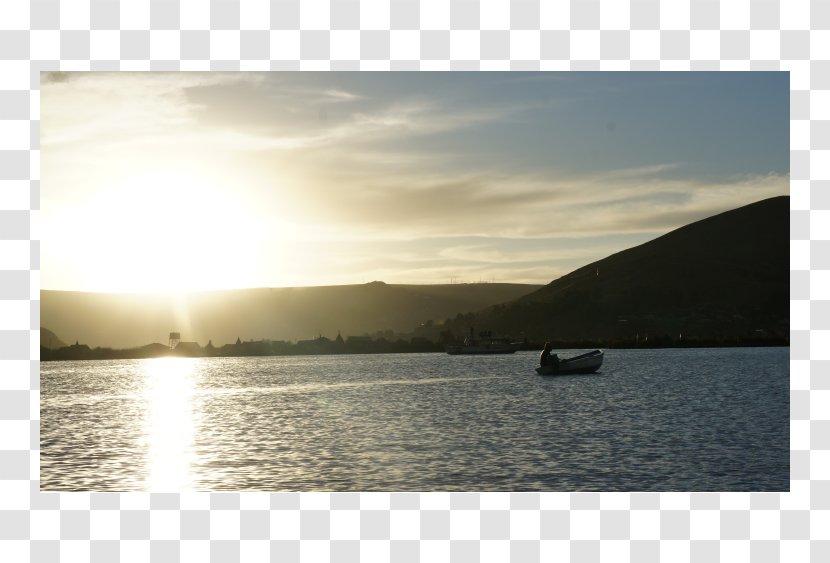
[37,35]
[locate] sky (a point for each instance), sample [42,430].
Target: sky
[198,181]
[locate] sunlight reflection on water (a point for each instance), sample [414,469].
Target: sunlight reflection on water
[170,419]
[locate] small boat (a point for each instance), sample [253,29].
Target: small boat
[485,346]
[584,363]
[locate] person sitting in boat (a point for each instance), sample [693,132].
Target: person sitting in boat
[548,359]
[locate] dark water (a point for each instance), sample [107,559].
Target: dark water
[656,420]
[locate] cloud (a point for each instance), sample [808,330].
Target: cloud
[55,76]
[660,205]
[375,127]
[121,112]
[499,251]
[335,95]
[531,206]
[102,107]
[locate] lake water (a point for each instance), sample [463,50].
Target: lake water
[651,420]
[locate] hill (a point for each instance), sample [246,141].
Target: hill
[49,339]
[724,277]
[131,320]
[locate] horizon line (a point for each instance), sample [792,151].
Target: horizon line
[246,288]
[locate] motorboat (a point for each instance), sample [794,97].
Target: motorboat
[589,362]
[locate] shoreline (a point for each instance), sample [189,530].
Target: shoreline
[82,352]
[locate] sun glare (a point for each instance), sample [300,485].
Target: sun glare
[166,232]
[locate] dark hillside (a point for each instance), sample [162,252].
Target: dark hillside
[723,277]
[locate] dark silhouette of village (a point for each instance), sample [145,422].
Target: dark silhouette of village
[364,344]
[378,344]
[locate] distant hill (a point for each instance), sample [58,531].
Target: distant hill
[724,277]
[48,339]
[131,320]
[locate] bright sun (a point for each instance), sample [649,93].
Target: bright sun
[164,232]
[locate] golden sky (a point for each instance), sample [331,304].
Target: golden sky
[190,181]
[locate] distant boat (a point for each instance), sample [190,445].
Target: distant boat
[484,346]
[584,363]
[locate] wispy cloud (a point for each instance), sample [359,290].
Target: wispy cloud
[426,204]
[336,95]
[96,108]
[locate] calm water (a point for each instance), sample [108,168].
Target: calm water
[685,420]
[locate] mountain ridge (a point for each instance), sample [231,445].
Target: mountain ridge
[295,313]
[725,276]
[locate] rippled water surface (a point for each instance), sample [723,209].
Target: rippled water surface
[687,420]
